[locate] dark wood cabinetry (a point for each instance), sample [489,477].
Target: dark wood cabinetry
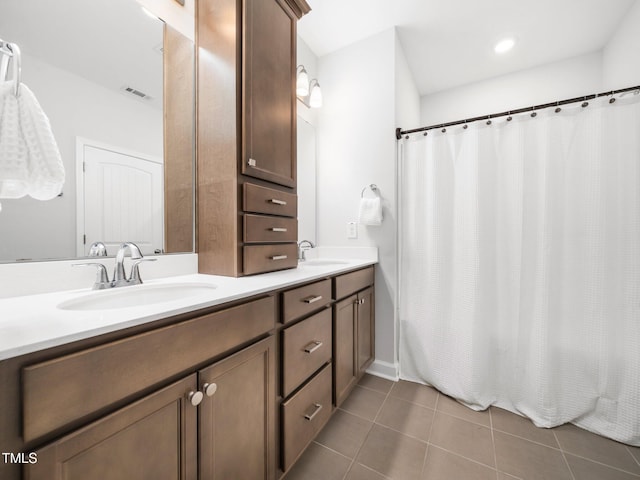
[354,323]
[154,438]
[269,113]
[237,435]
[246,134]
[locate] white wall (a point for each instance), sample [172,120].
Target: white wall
[407,95]
[356,147]
[621,56]
[555,81]
[75,107]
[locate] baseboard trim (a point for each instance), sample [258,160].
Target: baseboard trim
[387,370]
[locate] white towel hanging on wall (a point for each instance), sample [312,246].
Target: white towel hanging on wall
[370,212]
[30,161]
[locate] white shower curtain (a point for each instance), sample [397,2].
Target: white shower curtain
[520,265]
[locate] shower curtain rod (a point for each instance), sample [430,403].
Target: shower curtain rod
[400,132]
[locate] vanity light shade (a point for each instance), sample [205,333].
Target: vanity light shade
[315,98]
[302,82]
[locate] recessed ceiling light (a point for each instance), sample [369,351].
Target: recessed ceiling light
[504,45]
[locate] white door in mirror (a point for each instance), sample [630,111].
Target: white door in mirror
[123,199]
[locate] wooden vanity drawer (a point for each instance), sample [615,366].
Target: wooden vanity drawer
[267,229]
[70,388]
[259,199]
[353,282]
[306,346]
[301,301]
[304,414]
[269,258]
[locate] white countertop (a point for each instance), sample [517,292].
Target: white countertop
[34,322]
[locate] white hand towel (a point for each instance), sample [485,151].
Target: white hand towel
[30,162]
[370,211]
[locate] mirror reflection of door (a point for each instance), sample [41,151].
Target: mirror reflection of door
[120,199]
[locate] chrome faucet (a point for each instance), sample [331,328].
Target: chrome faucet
[302,250]
[119,276]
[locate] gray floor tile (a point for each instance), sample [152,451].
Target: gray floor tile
[529,460]
[468,439]
[405,417]
[376,383]
[393,454]
[594,447]
[443,465]
[635,451]
[509,422]
[452,407]
[360,472]
[587,470]
[415,393]
[363,402]
[319,463]
[345,433]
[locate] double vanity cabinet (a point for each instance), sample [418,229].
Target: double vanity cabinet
[235,391]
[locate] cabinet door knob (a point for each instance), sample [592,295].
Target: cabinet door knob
[195,398]
[275,201]
[251,162]
[317,408]
[312,347]
[312,299]
[209,389]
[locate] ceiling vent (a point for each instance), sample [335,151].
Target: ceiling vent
[136,93]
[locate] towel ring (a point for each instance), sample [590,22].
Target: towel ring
[373,187]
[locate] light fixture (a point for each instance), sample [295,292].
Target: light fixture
[315,97]
[504,45]
[302,82]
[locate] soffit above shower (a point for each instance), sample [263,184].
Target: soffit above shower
[450,43]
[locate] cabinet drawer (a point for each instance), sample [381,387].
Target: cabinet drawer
[265,229]
[304,414]
[306,346]
[352,282]
[300,301]
[268,258]
[259,199]
[69,388]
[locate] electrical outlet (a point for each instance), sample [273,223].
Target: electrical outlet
[352,230]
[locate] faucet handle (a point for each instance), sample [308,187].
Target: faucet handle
[98,249]
[102,277]
[135,271]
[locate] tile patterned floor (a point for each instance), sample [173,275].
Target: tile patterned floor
[406,431]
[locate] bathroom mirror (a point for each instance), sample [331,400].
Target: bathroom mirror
[117,84]
[306,159]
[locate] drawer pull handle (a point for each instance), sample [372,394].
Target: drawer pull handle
[278,229]
[279,257]
[210,389]
[312,347]
[317,409]
[275,201]
[195,398]
[312,299]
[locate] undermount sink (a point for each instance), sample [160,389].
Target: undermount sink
[136,296]
[323,262]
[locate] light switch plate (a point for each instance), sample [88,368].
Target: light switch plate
[352,230]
